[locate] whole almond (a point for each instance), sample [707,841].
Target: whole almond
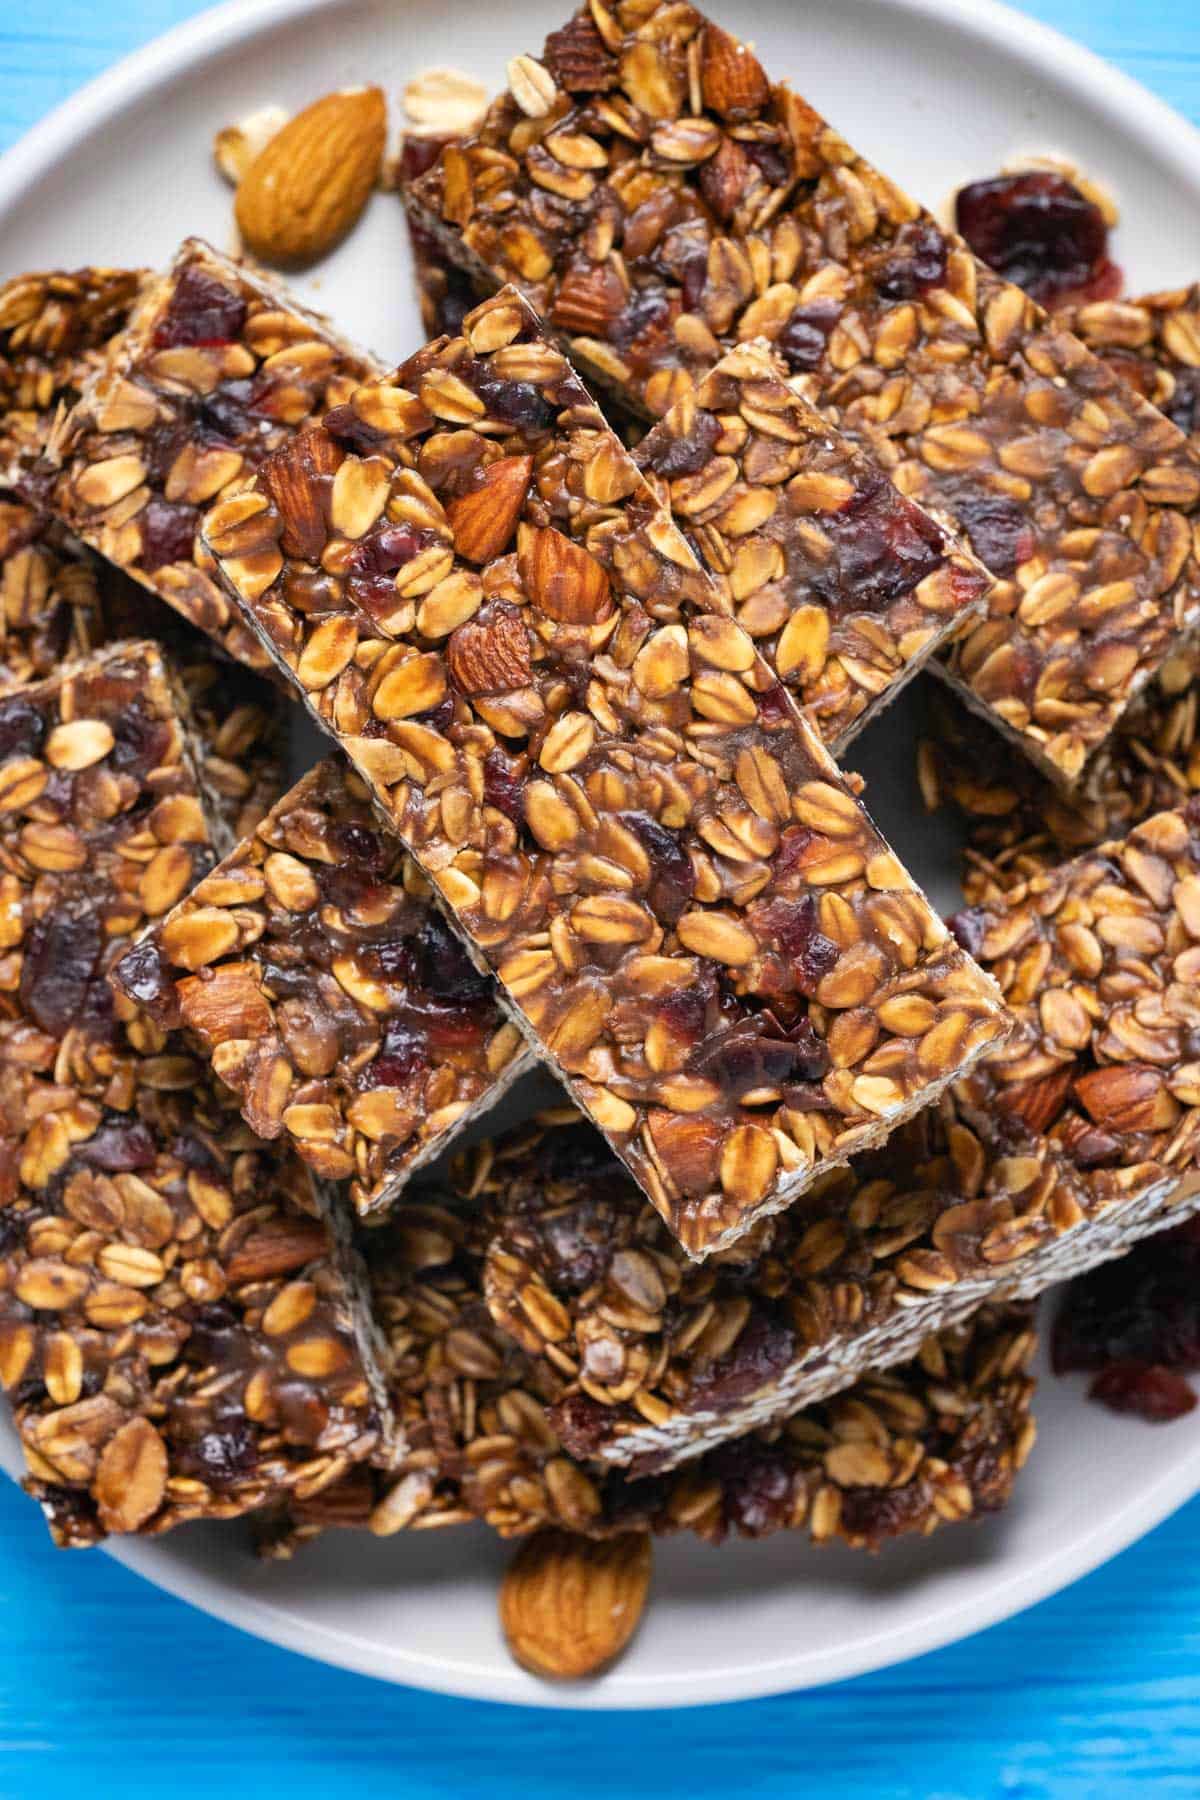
[569,1606]
[484,519]
[304,191]
[732,77]
[490,654]
[562,578]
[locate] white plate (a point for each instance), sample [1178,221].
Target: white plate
[938,93]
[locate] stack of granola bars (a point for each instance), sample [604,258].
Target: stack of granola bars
[768,1264]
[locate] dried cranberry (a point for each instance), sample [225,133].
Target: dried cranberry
[581,1424]
[168,529]
[685,1010]
[672,878]
[22,728]
[374,563]
[915,263]
[774,707]
[439,718]
[756,1485]
[504,783]
[162,444]
[404,1054]
[202,311]
[226,412]
[222,1457]
[1144,1308]
[146,979]
[363,847]
[671,457]
[1038,230]
[60,971]
[119,1145]
[803,339]
[577,1242]
[139,741]
[770,161]
[879,1513]
[969,928]
[389,549]
[1184,405]
[1000,533]
[646,314]
[193,1152]
[885,545]
[1146,1390]
[441,967]
[518,403]
[692,282]
[791,927]
[765,1346]
[744,1059]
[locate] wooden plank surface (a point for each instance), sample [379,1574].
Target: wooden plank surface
[108,1688]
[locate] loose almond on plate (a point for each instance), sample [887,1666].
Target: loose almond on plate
[569,1606]
[304,191]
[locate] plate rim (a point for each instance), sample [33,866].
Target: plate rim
[1140,115]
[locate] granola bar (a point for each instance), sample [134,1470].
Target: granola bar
[1099,961]
[180,1332]
[53,326]
[182,1335]
[315,971]
[215,369]
[659,200]
[938,1440]
[846,587]
[689,910]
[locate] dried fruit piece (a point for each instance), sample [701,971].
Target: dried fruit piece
[307,188]
[1036,228]
[569,1607]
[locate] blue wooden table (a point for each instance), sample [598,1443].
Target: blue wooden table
[107,1688]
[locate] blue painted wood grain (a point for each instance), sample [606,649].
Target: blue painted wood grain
[108,1688]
